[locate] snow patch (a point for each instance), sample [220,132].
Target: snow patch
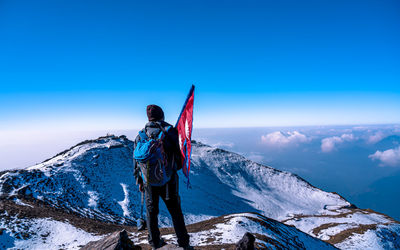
[19,202]
[124,203]
[47,234]
[93,197]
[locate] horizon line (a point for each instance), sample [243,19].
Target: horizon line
[233,127]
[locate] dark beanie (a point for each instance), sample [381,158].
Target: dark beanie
[154,113]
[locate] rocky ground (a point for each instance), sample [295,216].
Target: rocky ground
[19,214]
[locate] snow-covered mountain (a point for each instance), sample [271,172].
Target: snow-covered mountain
[94,180]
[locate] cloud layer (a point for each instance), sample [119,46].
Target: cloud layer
[329,144]
[284,139]
[378,136]
[390,157]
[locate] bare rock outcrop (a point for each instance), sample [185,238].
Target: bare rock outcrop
[116,241]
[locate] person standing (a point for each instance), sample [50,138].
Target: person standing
[164,177]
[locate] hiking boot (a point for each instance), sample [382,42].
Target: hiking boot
[161,243]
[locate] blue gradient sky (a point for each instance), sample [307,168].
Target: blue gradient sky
[85,65]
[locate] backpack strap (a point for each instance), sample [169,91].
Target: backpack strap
[161,135]
[143,136]
[163,130]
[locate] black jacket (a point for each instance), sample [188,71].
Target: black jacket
[171,145]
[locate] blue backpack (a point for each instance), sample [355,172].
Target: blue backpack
[152,159]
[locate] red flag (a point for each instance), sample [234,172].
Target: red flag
[184,126]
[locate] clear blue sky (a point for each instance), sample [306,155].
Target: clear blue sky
[96,64]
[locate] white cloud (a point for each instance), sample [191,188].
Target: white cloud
[360,128]
[328,144]
[378,136]
[280,139]
[390,157]
[347,137]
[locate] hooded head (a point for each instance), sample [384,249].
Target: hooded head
[155,113]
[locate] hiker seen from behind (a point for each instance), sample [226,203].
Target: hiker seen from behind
[156,161]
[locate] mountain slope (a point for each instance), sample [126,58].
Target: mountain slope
[275,193]
[94,179]
[31,224]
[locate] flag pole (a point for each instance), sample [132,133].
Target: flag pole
[184,105]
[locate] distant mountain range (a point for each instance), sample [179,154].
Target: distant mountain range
[88,191]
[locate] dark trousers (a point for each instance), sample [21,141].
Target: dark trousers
[169,194]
